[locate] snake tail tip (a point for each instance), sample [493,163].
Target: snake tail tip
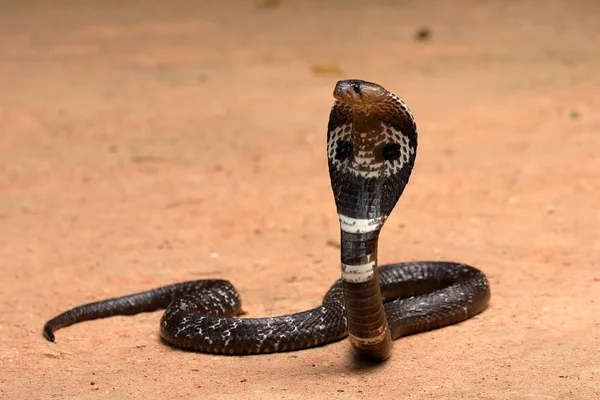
[48,334]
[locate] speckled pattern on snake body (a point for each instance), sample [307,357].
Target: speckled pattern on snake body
[371,150]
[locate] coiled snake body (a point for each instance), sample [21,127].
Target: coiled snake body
[371,149]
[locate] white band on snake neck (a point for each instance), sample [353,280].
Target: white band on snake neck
[358,273]
[358,225]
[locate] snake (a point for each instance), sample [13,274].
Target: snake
[371,151]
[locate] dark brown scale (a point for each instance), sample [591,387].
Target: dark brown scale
[344,150]
[398,300]
[391,152]
[366,318]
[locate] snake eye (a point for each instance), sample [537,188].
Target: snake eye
[343,149]
[391,152]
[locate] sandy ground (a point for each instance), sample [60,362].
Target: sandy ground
[152,144]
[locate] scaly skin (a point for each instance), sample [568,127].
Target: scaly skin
[371,150]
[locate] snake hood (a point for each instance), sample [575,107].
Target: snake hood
[371,149]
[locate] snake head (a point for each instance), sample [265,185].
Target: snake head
[359,93]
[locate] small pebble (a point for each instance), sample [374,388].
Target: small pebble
[423,34]
[333,243]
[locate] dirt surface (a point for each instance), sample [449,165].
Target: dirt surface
[144,144]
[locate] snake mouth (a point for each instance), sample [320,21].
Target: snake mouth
[359,93]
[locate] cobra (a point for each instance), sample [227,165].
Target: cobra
[371,150]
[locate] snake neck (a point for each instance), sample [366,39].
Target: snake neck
[367,324]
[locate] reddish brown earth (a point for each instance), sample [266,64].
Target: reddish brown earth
[152,144]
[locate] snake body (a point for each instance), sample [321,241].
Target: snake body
[371,149]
